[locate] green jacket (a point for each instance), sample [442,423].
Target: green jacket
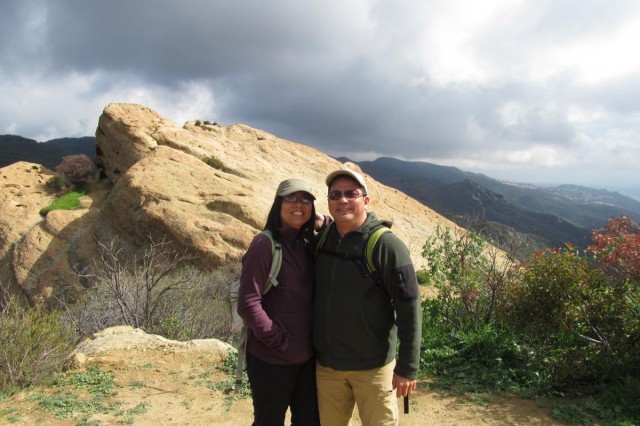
[357,323]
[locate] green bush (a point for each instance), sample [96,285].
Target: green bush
[35,344]
[579,325]
[556,322]
[462,335]
[56,184]
[423,276]
[216,163]
[475,358]
[469,276]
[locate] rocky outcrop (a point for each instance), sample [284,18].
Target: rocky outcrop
[22,195]
[117,346]
[206,187]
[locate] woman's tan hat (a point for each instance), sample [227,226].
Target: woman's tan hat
[290,186]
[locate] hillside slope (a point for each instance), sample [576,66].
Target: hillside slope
[554,216]
[49,154]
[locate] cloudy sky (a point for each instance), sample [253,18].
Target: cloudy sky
[539,91]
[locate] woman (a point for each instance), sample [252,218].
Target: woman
[280,362]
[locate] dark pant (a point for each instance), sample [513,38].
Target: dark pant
[274,388]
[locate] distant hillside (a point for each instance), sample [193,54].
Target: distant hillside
[553,216]
[585,207]
[49,154]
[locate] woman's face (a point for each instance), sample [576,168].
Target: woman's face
[296,209]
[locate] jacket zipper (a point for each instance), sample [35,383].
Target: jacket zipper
[330,296]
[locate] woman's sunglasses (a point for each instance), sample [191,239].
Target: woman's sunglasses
[304,199]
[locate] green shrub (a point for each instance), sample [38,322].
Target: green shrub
[423,276]
[39,345]
[581,327]
[558,324]
[468,274]
[56,184]
[476,358]
[216,163]
[462,335]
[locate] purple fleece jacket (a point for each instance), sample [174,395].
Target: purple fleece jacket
[279,322]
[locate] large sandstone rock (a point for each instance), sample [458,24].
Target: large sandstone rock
[206,187]
[118,346]
[22,195]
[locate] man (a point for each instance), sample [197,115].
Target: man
[358,320]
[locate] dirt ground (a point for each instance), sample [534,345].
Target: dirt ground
[157,387]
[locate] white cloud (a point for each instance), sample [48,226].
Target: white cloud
[512,113]
[70,107]
[593,59]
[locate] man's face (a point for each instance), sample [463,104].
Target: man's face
[349,208]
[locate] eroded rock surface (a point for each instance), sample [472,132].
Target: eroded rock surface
[206,187]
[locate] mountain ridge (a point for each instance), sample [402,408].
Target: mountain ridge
[16,148]
[552,215]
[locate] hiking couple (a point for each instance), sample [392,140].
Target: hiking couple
[334,332]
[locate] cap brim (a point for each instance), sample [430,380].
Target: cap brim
[349,173]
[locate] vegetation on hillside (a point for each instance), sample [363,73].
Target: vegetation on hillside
[563,323]
[70,182]
[551,216]
[73,172]
[34,345]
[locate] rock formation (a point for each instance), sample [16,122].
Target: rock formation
[206,187]
[116,346]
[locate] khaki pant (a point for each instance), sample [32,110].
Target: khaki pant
[339,391]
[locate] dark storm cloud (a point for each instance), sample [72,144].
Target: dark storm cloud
[169,40]
[475,84]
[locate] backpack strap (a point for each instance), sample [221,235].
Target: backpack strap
[276,263]
[323,237]
[370,247]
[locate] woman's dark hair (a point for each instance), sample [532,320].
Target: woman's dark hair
[274,222]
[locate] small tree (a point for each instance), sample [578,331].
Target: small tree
[469,274]
[155,288]
[461,331]
[140,283]
[76,169]
[616,247]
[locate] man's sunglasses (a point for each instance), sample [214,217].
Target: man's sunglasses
[304,199]
[349,194]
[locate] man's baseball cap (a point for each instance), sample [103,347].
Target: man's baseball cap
[349,173]
[290,186]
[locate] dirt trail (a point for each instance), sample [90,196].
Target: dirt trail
[180,390]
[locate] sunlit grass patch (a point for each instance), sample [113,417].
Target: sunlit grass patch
[68,201]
